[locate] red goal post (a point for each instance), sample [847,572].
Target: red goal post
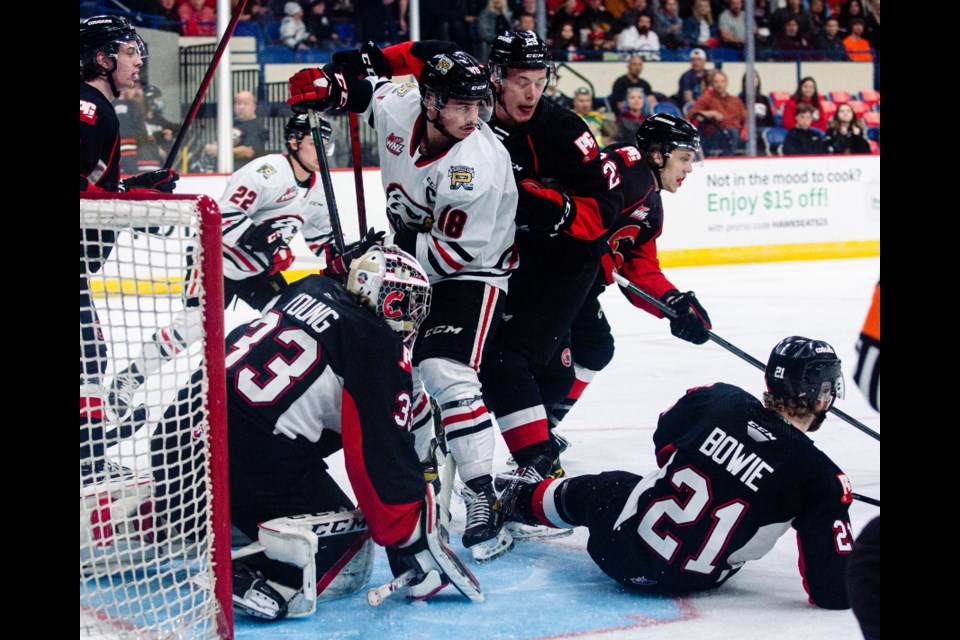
[154,511]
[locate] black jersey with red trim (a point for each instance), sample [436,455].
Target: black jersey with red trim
[734,477]
[318,365]
[633,236]
[99,141]
[556,149]
[99,168]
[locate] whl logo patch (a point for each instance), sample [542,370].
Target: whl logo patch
[394,144]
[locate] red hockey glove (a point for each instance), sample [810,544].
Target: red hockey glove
[339,265]
[162,180]
[544,210]
[319,89]
[266,239]
[692,322]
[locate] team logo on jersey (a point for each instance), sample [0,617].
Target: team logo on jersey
[847,497]
[566,358]
[289,194]
[587,144]
[266,170]
[404,88]
[461,178]
[641,213]
[394,144]
[392,305]
[404,213]
[630,155]
[88,112]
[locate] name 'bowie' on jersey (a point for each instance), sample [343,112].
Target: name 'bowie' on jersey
[311,312]
[727,452]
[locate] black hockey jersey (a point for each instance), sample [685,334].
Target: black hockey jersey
[319,365]
[633,235]
[557,149]
[99,168]
[734,477]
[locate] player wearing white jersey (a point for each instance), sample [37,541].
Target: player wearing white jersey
[265,204]
[451,202]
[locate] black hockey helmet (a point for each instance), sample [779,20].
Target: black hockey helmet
[298,127]
[457,75]
[663,132]
[804,369]
[520,50]
[106,34]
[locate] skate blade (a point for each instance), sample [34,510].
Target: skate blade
[493,548]
[526,532]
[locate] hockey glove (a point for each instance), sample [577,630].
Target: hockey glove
[319,89]
[367,61]
[339,265]
[162,180]
[268,240]
[544,210]
[692,322]
[434,562]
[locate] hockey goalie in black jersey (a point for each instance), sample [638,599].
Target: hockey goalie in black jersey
[735,474]
[320,372]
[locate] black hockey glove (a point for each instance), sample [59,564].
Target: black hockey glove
[692,322]
[269,240]
[162,180]
[367,61]
[544,210]
[339,265]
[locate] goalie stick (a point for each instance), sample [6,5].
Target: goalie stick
[376,596]
[670,313]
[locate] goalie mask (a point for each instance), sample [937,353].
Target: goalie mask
[392,283]
[804,369]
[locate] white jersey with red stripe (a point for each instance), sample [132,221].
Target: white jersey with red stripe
[266,191]
[462,203]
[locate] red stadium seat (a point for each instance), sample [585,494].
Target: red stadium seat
[859,108]
[829,108]
[778,99]
[874,147]
[870,98]
[871,118]
[839,96]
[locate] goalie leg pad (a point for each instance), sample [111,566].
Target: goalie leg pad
[254,596]
[334,545]
[116,518]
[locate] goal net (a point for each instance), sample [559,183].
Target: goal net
[154,508]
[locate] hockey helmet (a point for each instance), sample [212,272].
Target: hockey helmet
[153,96]
[459,76]
[664,132]
[804,369]
[106,34]
[298,127]
[392,283]
[520,50]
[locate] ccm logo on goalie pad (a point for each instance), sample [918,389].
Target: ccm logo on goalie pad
[331,523]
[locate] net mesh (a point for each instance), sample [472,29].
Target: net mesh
[147,564]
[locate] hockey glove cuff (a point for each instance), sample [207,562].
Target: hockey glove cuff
[319,89]
[367,61]
[339,265]
[162,180]
[692,322]
[544,210]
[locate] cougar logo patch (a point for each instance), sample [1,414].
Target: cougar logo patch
[566,358]
[461,178]
[392,304]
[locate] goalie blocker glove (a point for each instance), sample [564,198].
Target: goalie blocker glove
[544,210]
[435,563]
[162,180]
[691,322]
[339,265]
[266,239]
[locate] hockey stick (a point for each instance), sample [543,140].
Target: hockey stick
[670,313]
[204,84]
[375,597]
[358,173]
[327,183]
[867,499]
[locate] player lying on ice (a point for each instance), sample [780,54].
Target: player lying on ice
[735,474]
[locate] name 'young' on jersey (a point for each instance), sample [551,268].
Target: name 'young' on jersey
[265,191]
[462,203]
[633,235]
[734,477]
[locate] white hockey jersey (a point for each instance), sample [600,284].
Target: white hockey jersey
[265,191]
[462,203]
